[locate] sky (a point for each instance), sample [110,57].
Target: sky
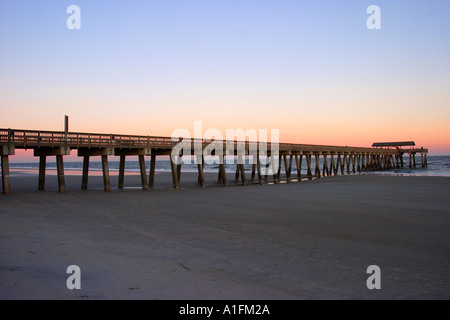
[311,69]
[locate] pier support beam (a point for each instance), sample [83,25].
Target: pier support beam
[5,152]
[222,173]
[287,167]
[298,164]
[325,169]
[274,169]
[333,169]
[143,173]
[104,153]
[6,185]
[317,172]
[42,166]
[141,153]
[121,172]
[84,178]
[240,171]
[106,178]
[201,176]
[151,179]
[173,167]
[60,172]
[308,163]
[258,167]
[59,152]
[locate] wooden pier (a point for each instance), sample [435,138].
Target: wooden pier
[336,159]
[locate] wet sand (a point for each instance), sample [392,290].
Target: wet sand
[309,240]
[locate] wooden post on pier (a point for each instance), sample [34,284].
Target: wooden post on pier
[222,173]
[6,186]
[173,167]
[287,167]
[106,178]
[143,172]
[325,169]
[317,173]
[308,163]
[274,169]
[252,179]
[353,163]
[121,171]
[266,169]
[344,163]
[42,166]
[279,167]
[339,164]
[201,177]
[84,178]
[414,159]
[240,171]
[410,160]
[180,161]
[151,179]
[258,167]
[332,165]
[298,164]
[60,172]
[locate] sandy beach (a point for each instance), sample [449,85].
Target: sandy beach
[309,240]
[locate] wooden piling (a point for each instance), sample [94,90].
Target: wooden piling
[151,179]
[173,167]
[84,178]
[60,172]
[287,168]
[252,179]
[242,169]
[180,159]
[121,172]
[106,178]
[325,169]
[6,184]
[274,173]
[298,164]
[42,167]
[201,177]
[353,163]
[308,163]
[222,172]
[143,172]
[317,172]
[258,166]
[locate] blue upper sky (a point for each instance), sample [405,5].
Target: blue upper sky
[288,55]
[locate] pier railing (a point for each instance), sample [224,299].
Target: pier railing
[74,140]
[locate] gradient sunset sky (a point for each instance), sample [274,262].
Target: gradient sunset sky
[309,68]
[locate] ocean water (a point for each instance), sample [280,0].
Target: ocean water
[437,166]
